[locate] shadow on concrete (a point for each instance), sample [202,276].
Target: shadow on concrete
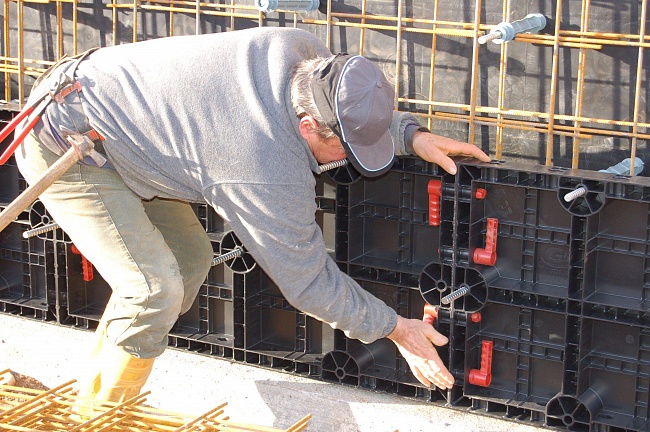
[291,401]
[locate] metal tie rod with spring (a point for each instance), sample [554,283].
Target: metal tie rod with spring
[455,295]
[235,253]
[331,165]
[40,230]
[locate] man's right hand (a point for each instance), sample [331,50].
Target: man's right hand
[415,340]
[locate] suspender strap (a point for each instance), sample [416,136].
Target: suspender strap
[70,83]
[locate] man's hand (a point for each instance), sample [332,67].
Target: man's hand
[437,149]
[415,340]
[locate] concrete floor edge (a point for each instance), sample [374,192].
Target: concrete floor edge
[192,383]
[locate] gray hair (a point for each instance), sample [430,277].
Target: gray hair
[302,98]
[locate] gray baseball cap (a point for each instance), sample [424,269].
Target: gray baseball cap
[356,102]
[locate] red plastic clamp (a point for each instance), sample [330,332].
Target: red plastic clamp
[86,266]
[430,314]
[435,191]
[488,254]
[483,377]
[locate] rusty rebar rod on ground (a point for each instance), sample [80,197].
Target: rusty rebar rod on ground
[32,410]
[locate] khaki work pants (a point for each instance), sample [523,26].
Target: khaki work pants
[154,254]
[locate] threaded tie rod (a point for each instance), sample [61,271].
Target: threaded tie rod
[41,230]
[455,295]
[331,165]
[235,253]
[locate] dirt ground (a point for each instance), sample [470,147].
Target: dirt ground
[28,382]
[22,381]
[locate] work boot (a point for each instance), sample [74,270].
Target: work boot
[115,376]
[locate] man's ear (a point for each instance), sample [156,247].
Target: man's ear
[307,126]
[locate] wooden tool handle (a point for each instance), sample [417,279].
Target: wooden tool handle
[30,194]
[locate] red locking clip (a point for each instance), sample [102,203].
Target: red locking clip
[86,266]
[488,254]
[483,377]
[435,191]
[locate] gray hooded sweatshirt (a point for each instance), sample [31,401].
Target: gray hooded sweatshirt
[209,118]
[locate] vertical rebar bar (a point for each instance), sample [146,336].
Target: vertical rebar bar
[328,25]
[554,79]
[503,68]
[135,20]
[197,24]
[362,33]
[6,33]
[432,74]
[582,60]
[232,18]
[59,30]
[21,53]
[639,80]
[75,23]
[398,52]
[114,16]
[475,69]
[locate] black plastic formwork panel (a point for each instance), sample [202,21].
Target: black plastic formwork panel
[566,289]
[27,274]
[276,334]
[616,256]
[565,309]
[213,323]
[613,378]
[210,321]
[27,268]
[326,210]
[208,324]
[383,225]
[528,353]
[84,294]
[378,366]
[240,313]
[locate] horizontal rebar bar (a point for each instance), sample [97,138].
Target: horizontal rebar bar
[582,127]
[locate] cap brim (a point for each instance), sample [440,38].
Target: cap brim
[372,160]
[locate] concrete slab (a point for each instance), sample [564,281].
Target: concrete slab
[192,384]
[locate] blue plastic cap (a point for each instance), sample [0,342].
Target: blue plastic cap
[288,5]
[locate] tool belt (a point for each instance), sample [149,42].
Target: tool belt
[59,81]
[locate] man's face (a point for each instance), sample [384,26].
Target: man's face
[324,149]
[328,150]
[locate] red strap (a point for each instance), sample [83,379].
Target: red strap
[60,96]
[94,135]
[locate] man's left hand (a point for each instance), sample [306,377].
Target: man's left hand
[437,149]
